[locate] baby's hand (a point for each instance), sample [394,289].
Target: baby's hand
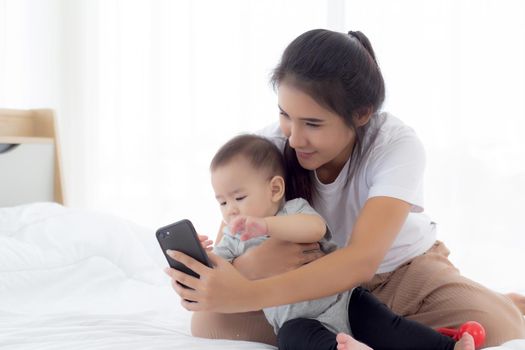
[249,227]
[206,243]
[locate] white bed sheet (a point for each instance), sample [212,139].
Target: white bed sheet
[76,279]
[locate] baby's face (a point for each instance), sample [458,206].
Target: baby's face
[242,190]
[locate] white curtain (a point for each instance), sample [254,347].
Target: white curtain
[146,91]
[455,71]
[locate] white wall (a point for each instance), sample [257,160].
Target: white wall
[30,53]
[455,71]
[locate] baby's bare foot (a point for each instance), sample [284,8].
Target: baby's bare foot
[518,300]
[465,343]
[346,342]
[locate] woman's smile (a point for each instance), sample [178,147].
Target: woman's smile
[304,155]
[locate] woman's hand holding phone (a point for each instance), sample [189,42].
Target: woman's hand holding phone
[219,289]
[225,288]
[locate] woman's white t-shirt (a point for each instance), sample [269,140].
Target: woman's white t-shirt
[393,166]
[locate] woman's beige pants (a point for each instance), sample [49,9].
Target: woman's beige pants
[428,289]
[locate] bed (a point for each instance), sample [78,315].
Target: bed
[76,279]
[79,279]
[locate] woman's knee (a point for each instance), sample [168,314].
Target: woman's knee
[499,316]
[203,324]
[249,326]
[502,326]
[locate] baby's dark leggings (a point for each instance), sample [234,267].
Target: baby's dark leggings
[371,322]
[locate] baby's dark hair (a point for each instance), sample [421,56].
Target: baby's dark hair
[260,152]
[340,72]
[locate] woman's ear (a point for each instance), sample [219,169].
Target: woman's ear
[362,116]
[277,187]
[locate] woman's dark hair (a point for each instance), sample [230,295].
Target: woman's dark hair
[261,153]
[340,72]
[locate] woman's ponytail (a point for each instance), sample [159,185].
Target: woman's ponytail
[364,41]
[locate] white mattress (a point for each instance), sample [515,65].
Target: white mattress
[73,279]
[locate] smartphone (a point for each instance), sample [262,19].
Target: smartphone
[182,236]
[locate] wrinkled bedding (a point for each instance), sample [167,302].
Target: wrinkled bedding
[76,279]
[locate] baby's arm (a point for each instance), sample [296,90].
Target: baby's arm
[297,228]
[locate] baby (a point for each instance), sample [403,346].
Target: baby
[247,175]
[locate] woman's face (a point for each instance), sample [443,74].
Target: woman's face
[320,138]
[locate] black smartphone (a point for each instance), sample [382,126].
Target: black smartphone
[182,236]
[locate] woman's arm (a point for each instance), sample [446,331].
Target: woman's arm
[223,289]
[273,257]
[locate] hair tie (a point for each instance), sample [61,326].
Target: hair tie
[355,35]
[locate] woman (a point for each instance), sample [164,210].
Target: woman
[362,170]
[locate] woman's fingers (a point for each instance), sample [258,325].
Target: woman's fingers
[189,297]
[221,289]
[311,252]
[184,291]
[181,277]
[188,261]
[310,247]
[191,305]
[312,255]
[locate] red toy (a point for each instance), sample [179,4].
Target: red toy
[473,328]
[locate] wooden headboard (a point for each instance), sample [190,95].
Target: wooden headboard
[29,130]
